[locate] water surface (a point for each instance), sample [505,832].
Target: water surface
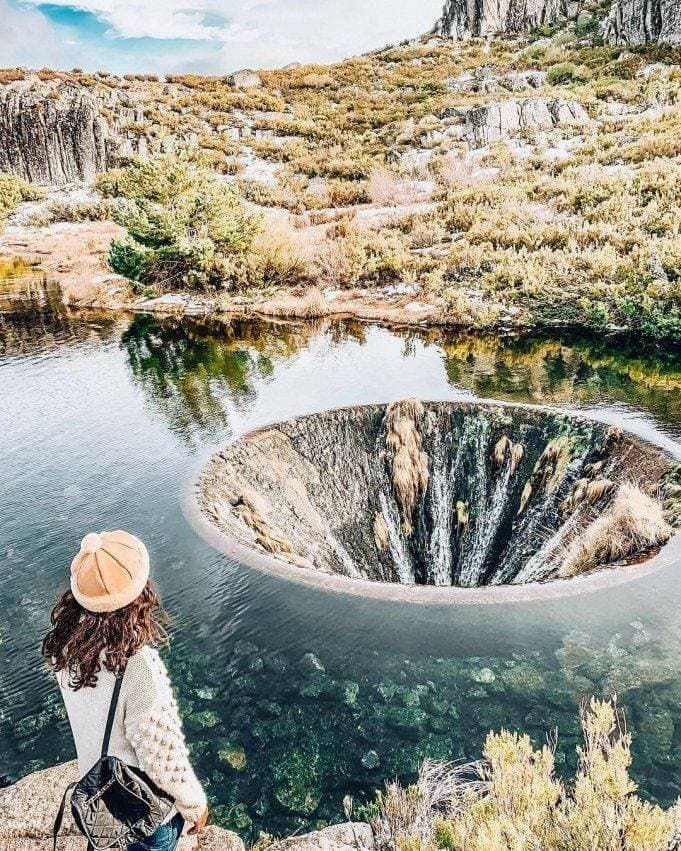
[105,421]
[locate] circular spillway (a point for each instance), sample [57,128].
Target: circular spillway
[441,496]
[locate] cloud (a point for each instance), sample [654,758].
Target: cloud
[41,48]
[221,35]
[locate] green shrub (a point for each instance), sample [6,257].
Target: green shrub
[185,225]
[128,259]
[513,801]
[567,72]
[14,190]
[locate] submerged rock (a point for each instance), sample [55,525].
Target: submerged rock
[310,665]
[484,675]
[233,755]
[203,720]
[296,783]
[371,760]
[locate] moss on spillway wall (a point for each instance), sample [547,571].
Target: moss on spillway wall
[442,493]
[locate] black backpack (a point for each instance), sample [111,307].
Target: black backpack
[114,804]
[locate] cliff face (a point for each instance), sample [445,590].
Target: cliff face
[629,22]
[641,21]
[53,140]
[463,19]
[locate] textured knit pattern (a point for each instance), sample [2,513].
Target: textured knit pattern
[147,731]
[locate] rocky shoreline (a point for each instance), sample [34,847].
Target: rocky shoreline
[74,257]
[28,808]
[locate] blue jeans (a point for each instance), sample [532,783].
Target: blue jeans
[165,838]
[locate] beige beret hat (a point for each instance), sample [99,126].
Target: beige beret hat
[110,571]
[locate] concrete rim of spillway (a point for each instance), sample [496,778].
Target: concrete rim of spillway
[610,576]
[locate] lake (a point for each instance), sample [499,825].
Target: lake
[294,696]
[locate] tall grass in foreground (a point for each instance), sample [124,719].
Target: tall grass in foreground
[513,801]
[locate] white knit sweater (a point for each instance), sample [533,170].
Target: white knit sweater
[147,731]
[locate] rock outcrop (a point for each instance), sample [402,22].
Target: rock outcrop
[463,19]
[340,837]
[640,21]
[502,119]
[631,22]
[55,139]
[56,132]
[28,809]
[245,79]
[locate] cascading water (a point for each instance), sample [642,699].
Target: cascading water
[401,560]
[440,547]
[441,493]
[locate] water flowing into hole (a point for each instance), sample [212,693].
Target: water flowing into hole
[442,494]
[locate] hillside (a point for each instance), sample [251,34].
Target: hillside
[514,181]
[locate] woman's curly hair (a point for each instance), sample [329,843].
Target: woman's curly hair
[80,641]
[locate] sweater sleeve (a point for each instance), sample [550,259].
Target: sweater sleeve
[154,729]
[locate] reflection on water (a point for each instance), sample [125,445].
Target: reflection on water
[104,422]
[581,371]
[195,373]
[25,287]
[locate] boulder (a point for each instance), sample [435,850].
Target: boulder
[502,119]
[311,665]
[351,836]
[245,79]
[28,809]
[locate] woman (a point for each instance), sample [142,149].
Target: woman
[110,622]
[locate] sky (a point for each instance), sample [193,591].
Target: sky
[201,36]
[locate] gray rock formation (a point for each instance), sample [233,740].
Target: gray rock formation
[245,79]
[483,80]
[57,140]
[57,133]
[28,809]
[462,19]
[436,494]
[641,21]
[340,837]
[629,22]
[503,119]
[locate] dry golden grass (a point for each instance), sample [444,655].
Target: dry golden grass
[409,463]
[282,255]
[513,801]
[633,523]
[312,305]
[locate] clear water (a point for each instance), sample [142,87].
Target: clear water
[102,425]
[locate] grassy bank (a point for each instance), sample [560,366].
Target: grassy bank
[370,173]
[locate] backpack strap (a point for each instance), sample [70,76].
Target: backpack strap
[60,816]
[112,713]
